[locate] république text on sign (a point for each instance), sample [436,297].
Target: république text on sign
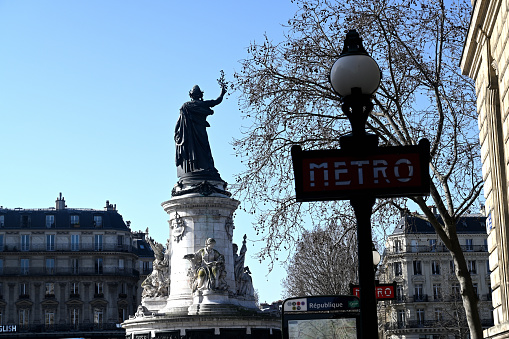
[383,172]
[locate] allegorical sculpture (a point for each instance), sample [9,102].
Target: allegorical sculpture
[193,154]
[207,271]
[243,279]
[157,283]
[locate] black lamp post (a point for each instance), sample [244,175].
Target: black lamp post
[355,76]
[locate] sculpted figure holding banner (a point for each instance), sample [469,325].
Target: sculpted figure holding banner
[193,155]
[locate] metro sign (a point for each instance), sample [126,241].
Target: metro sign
[394,171]
[383,291]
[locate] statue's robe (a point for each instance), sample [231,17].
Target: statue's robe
[193,155]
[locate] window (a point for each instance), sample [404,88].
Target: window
[437,292]
[401,318]
[1,242]
[23,289]
[420,316]
[24,265]
[435,267]
[418,292]
[398,269]
[98,288]
[49,318]
[397,246]
[2,220]
[475,285]
[75,220]
[75,269]
[399,292]
[485,248]
[24,315]
[488,271]
[438,314]
[50,289]
[120,241]
[50,221]
[75,317]
[98,221]
[50,242]
[75,288]
[25,242]
[455,291]
[146,267]
[452,267]
[26,221]
[98,242]
[433,245]
[50,265]
[121,265]
[1,269]
[469,245]
[99,265]
[75,242]
[414,246]
[98,317]
[471,267]
[122,315]
[417,267]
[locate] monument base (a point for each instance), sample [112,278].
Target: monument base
[240,326]
[154,304]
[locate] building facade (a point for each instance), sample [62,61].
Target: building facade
[485,60]
[428,303]
[68,272]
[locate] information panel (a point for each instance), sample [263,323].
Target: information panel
[321,317]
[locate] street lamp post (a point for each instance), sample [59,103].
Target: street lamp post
[355,76]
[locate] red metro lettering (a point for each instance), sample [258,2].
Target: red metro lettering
[379,171]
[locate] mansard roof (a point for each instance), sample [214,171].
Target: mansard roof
[414,224]
[20,218]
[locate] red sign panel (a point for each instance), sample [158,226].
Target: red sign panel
[383,291]
[382,172]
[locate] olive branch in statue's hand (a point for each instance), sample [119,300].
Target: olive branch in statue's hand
[222,82]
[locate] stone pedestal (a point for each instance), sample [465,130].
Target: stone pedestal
[197,212]
[193,219]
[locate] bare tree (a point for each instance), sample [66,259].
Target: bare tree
[325,263]
[287,98]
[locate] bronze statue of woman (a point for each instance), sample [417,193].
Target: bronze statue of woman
[193,155]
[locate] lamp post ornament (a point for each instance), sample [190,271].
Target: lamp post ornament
[355,76]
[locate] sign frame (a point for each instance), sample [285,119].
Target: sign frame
[420,152]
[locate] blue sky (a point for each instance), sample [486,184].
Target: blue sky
[90,93]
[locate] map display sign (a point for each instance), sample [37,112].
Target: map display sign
[321,317]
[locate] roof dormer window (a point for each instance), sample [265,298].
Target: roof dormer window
[75,220]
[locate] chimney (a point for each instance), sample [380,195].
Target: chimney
[110,207]
[60,202]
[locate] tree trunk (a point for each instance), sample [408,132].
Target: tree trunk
[470,299]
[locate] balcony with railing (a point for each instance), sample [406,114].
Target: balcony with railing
[69,270]
[112,328]
[88,247]
[431,249]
